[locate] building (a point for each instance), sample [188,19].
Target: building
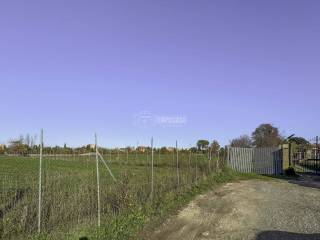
[91,146]
[127,149]
[170,149]
[141,149]
[2,148]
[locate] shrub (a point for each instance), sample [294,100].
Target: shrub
[290,172]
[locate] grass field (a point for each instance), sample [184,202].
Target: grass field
[69,191]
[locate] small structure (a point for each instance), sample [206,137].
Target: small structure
[170,149]
[2,147]
[92,146]
[141,149]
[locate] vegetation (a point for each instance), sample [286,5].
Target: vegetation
[139,223]
[69,186]
[202,144]
[243,141]
[69,192]
[215,147]
[266,135]
[290,172]
[299,141]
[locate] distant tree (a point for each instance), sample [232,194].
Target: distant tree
[28,140]
[21,139]
[299,141]
[33,140]
[266,135]
[163,150]
[128,149]
[243,141]
[88,147]
[17,146]
[202,144]
[222,153]
[193,149]
[215,147]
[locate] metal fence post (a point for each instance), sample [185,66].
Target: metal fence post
[218,159]
[190,160]
[178,177]
[196,168]
[152,168]
[98,179]
[209,159]
[40,182]
[127,155]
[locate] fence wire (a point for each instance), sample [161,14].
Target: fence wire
[69,185]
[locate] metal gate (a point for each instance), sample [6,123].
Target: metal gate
[305,158]
[255,160]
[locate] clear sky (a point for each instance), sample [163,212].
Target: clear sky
[184,70]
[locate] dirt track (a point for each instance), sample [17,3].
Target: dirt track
[253,209]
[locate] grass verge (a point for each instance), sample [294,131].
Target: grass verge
[139,222]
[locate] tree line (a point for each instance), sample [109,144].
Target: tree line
[265,135]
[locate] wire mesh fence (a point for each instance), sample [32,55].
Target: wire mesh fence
[70,196]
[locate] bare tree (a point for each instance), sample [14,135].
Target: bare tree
[28,140]
[242,141]
[17,146]
[33,140]
[21,139]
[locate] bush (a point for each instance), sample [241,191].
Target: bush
[290,172]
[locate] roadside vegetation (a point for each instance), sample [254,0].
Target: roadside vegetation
[69,192]
[137,199]
[139,221]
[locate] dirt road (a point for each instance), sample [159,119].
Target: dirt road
[253,209]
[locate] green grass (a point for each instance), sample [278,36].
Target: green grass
[69,205]
[139,223]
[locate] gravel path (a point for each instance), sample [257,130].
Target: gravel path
[253,209]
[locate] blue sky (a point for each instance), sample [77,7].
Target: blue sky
[79,67]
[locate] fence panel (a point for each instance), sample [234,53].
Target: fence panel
[256,160]
[240,159]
